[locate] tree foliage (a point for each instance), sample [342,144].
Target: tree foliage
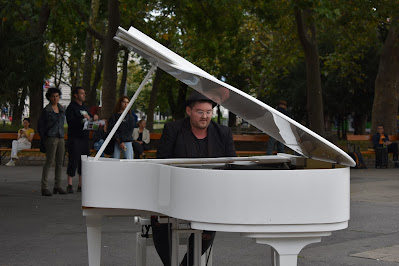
[252,45]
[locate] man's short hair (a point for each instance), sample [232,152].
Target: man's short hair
[52,91]
[76,91]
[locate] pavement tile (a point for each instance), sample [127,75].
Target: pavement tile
[384,254]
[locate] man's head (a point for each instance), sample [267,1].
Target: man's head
[200,113]
[53,92]
[199,109]
[282,104]
[79,94]
[380,129]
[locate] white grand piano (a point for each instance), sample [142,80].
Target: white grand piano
[276,200]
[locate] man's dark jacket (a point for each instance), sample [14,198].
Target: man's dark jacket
[376,140]
[75,121]
[178,141]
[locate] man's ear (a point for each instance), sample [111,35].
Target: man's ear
[188,110]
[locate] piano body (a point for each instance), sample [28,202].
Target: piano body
[275,199]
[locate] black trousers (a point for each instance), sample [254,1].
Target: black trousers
[161,240]
[139,149]
[393,147]
[76,148]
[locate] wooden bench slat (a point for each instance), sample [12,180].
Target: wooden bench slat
[359,137]
[153,136]
[350,138]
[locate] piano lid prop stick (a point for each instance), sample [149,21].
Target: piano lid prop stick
[111,134]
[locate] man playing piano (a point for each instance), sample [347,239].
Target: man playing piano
[193,137]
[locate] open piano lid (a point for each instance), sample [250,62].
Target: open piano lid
[257,113]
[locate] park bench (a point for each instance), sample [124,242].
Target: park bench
[369,138]
[13,136]
[246,145]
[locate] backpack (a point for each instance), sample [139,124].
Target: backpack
[356,155]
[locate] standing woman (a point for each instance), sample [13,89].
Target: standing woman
[51,130]
[123,136]
[24,141]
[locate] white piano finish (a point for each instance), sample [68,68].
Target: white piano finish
[275,124]
[286,209]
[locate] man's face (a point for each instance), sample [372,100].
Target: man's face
[200,114]
[81,96]
[380,129]
[54,98]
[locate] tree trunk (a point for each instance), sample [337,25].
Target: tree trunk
[178,107]
[180,112]
[19,105]
[110,60]
[96,81]
[88,64]
[385,106]
[232,120]
[36,86]
[122,86]
[36,102]
[153,99]
[359,123]
[307,37]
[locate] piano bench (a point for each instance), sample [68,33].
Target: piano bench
[144,240]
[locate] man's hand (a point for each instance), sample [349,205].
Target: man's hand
[388,142]
[122,146]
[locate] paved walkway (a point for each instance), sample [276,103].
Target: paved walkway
[36,230]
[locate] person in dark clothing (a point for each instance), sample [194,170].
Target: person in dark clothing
[51,131]
[99,136]
[78,139]
[282,108]
[193,137]
[381,139]
[123,136]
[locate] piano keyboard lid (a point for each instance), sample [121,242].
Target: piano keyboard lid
[272,122]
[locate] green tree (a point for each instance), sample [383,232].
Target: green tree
[28,21]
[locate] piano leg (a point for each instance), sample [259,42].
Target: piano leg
[287,245]
[93,224]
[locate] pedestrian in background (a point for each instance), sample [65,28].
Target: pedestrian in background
[123,136]
[24,141]
[51,130]
[78,139]
[141,139]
